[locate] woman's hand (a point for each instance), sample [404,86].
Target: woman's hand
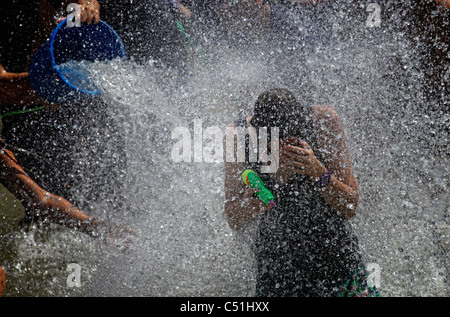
[252,202]
[90,11]
[298,156]
[241,204]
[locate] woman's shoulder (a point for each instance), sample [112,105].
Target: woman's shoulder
[324,111]
[326,118]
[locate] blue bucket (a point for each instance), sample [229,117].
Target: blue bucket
[70,46]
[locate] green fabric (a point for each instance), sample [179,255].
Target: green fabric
[21,111]
[356,285]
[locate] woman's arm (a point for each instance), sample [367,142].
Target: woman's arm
[240,203]
[342,191]
[49,206]
[57,209]
[90,10]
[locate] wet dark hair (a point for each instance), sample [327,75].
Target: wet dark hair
[279,108]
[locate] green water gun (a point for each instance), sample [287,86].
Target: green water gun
[251,179]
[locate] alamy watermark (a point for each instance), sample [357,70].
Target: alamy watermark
[213,145]
[74,276]
[374,17]
[374,275]
[73,19]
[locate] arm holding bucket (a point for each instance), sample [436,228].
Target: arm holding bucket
[90,10]
[15,88]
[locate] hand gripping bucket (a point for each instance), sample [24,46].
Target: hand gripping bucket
[93,42]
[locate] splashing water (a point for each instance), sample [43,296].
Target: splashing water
[76,72]
[184,246]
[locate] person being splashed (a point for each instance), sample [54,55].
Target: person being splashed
[305,245]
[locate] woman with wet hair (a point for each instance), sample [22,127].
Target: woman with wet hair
[305,246]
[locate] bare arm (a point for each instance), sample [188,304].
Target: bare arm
[342,191]
[15,89]
[49,206]
[240,204]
